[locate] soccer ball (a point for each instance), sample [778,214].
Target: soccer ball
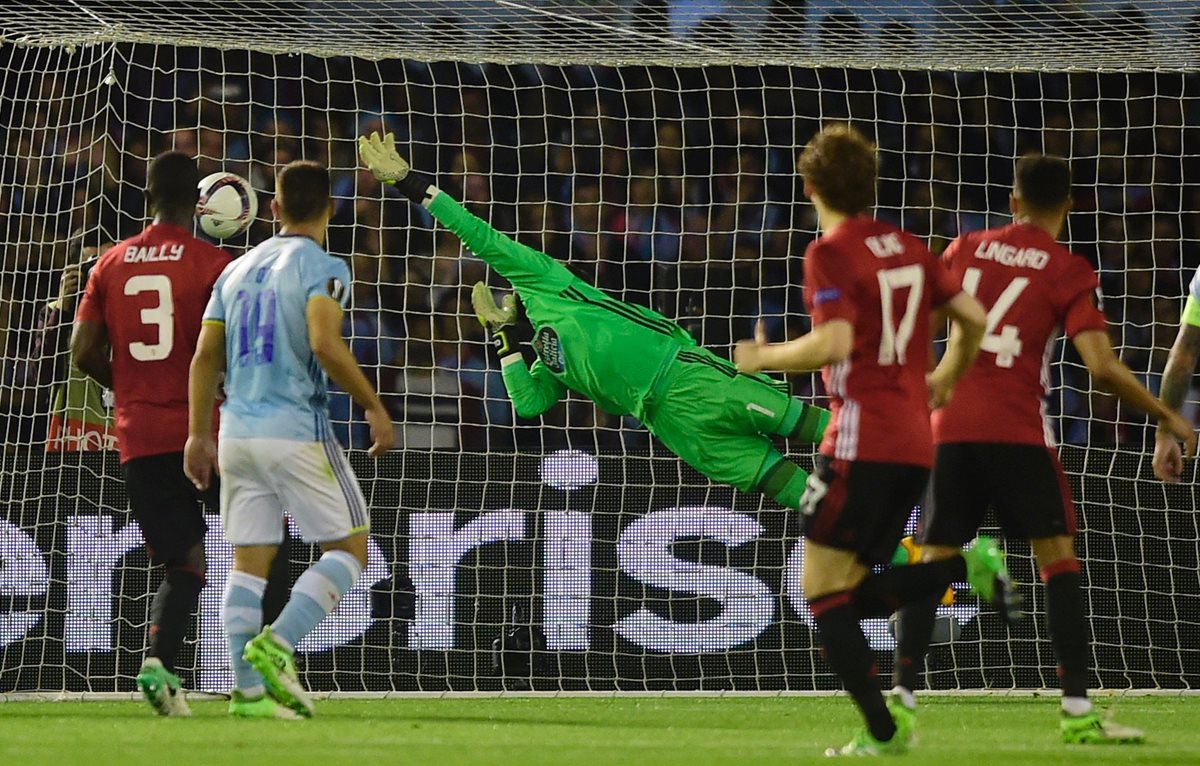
[227,205]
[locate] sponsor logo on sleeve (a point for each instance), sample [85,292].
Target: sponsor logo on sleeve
[826,295]
[549,350]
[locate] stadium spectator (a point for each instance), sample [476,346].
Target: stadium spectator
[80,417]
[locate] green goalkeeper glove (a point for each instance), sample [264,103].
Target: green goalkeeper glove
[503,323]
[386,164]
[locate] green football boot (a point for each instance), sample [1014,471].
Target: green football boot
[161,688]
[864,744]
[278,668]
[261,706]
[906,720]
[1094,729]
[988,577]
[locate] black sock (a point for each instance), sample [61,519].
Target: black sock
[913,628]
[846,649]
[1068,625]
[279,582]
[171,612]
[881,594]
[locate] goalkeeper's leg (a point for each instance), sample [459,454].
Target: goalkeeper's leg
[782,480]
[747,404]
[802,422]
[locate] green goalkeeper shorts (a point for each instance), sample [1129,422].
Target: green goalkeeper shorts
[721,422]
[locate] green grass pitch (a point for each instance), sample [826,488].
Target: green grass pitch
[570,731]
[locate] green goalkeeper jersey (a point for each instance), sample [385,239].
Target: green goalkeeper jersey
[609,351]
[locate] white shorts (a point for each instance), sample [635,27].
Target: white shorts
[311,481]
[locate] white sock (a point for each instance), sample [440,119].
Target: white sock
[907,698]
[1076,705]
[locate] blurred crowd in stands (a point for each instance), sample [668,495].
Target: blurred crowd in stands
[673,188]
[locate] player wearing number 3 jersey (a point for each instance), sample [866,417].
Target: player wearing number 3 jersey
[995,446]
[144,299]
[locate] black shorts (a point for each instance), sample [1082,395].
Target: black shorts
[1023,483]
[861,506]
[166,505]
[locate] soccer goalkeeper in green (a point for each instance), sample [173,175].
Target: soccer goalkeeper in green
[627,359]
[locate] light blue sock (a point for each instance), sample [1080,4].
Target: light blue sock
[315,595]
[241,614]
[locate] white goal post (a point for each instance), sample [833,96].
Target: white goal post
[652,145]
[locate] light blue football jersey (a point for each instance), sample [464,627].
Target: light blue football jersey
[274,386]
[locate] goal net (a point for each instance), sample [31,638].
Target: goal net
[652,146]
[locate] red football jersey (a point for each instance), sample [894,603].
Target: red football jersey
[884,281]
[1033,289]
[150,292]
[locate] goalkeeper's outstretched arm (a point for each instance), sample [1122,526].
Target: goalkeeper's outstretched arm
[523,266]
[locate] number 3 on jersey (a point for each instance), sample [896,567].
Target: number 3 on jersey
[161,316]
[1006,344]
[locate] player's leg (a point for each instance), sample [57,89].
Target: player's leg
[318,487]
[829,579]
[242,617]
[1040,509]
[163,503]
[847,518]
[752,404]
[252,517]
[279,578]
[716,420]
[780,479]
[319,589]
[1081,723]
[896,490]
[766,409]
[956,504]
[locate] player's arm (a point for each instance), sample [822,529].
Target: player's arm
[1110,373]
[829,289]
[828,343]
[89,351]
[1176,382]
[323,316]
[89,338]
[968,321]
[200,450]
[533,390]
[517,263]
